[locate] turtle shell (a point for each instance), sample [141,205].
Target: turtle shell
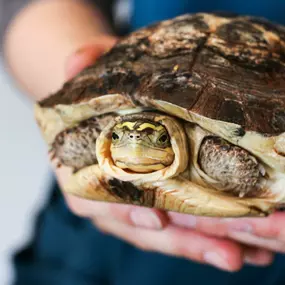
[228,68]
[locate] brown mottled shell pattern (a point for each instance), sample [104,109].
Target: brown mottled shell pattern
[227,68]
[210,75]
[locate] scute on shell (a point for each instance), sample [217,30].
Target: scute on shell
[230,69]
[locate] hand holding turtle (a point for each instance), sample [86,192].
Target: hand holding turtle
[265,233]
[152,229]
[151,126]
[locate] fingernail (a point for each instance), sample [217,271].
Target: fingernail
[247,228]
[216,259]
[145,218]
[254,262]
[258,257]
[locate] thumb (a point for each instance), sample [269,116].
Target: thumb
[87,54]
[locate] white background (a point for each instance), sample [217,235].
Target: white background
[24,172]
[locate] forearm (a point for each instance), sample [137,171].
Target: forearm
[42,36]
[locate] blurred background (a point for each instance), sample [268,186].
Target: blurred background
[24,167]
[24,173]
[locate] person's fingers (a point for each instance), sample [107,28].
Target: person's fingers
[127,214]
[108,215]
[265,243]
[87,55]
[176,241]
[267,233]
[210,226]
[271,227]
[258,256]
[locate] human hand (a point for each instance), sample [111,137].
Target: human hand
[263,233]
[152,229]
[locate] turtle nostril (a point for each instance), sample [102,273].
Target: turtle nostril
[134,136]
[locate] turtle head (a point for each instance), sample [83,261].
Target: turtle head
[141,145]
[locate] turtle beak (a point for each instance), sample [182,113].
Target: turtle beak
[141,158]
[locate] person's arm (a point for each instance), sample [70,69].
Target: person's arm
[40,38]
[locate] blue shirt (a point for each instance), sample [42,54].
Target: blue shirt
[145,12]
[68,250]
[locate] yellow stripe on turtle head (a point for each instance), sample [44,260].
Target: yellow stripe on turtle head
[132,126]
[144,126]
[129,125]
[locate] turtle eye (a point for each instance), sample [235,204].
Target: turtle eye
[115,136]
[163,139]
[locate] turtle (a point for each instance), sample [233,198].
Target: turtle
[186,114]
